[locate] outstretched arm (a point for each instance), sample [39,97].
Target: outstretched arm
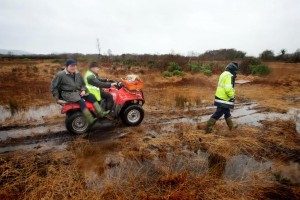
[97,83]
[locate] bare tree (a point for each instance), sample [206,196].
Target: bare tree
[109,53]
[191,54]
[99,48]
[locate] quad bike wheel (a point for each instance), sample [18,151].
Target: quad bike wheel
[77,124]
[133,115]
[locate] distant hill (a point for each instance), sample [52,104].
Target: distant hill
[14,52]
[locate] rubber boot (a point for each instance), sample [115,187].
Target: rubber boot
[230,124]
[88,116]
[210,123]
[99,110]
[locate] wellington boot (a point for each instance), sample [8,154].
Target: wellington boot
[88,116]
[210,123]
[230,124]
[99,110]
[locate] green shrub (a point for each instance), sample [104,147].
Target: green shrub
[206,69]
[260,69]
[245,64]
[167,74]
[174,66]
[178,73]
[173,70]
[207,72]
[195,67]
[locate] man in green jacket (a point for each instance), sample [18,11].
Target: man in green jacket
[95,84]
[224,99]
[69,85]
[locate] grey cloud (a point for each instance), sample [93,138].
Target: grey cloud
[142,26]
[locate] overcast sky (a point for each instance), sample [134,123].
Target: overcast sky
[149,26]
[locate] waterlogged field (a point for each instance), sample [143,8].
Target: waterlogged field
[168,156]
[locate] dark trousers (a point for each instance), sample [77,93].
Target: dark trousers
[109,100]
[89,98]
[220,112]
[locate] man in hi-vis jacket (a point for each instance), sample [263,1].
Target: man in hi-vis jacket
[224,99]
[95,85]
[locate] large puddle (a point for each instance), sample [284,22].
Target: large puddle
[34,115]
[236,168]
[53,136]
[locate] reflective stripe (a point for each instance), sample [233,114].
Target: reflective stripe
[92,87]
[226,102]
[226,86]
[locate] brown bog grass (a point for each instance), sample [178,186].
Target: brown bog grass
[181,164]
[163,167]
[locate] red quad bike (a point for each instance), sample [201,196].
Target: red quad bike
[128,101]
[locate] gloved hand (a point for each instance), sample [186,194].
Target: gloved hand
[111,81]
[120,84]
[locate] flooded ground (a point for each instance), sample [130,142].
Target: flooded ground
[243,114]
[34,116]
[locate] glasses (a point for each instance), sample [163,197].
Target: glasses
[73,65]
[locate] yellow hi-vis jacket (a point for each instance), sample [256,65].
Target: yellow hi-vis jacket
[92,89]
[225,91]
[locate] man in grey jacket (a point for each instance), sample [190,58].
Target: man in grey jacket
[69,85]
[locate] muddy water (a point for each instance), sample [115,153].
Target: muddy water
[30,132]
[237,168]
[39,146]
[241,167]
[34,115]
[53,136]
[243,114]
